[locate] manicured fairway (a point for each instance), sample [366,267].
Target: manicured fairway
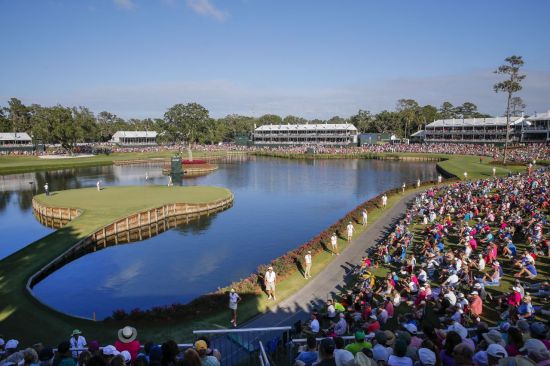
[21,315]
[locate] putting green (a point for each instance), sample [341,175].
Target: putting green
[21,315]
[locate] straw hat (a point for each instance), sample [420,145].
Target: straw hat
[127,334]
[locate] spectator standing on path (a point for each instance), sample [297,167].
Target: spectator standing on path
[269,282]
[404,186]
[77,340]
[350,230]
[47,189]
[365,215]
[234,299]
[334,244]
[384,200]
[307,271]
[98,185]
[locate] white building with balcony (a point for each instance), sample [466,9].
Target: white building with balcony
[135,138]
[306,134]
[536,128]
[474,130]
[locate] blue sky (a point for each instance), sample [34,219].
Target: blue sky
[314,59]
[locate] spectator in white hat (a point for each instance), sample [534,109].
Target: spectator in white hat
[495,353]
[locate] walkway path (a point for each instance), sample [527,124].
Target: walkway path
[327,283]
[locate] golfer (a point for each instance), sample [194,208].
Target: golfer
[234,299]
[269,282]
[47,189]
[439,179]
[307,272]
[365,215]
[494,171]
[350,230]
[465,175]
[418,183]
[98,185]
[404,186]
[334,243]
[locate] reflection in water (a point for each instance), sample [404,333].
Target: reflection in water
[278,205]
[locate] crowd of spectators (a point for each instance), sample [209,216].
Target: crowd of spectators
[126,351]
[464,254]
[520,153]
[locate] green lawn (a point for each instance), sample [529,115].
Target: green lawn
[22,164]
[21,315]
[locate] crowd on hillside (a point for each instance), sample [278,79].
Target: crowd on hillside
[125,351]
[455,246]
[522,154]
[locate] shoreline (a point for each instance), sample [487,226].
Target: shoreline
[253,302]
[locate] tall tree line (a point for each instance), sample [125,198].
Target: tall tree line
[184,123]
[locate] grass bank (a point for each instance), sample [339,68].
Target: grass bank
[24,164]
[452,165]
[21,315]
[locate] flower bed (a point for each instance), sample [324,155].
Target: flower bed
[193,162]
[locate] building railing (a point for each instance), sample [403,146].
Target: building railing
[245,346]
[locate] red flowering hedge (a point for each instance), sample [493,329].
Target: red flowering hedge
[284,266]
[191,162]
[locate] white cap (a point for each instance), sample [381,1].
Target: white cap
[496,350]
[11,344]
[126,355]
[110,351]
[474,293]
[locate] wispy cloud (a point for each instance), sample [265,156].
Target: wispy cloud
[206,8]
[125,4]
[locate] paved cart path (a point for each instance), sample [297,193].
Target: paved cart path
[327,283]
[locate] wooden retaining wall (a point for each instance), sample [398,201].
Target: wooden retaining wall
[135,227]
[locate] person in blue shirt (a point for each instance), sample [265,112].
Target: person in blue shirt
[510,249]
[526,310]
[309,354]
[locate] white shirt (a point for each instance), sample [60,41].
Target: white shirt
[331,311]
[350,229]
[422,276]
[270,276]
[315,327]
[451,297]
[80,342]
[481,264]
[333,240]
[342,357]
[452,279]
[308,258]
[233,298]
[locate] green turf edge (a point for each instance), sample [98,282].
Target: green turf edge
[20,311]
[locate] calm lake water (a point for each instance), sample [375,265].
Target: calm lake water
[278,205]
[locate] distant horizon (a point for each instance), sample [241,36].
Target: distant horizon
[137,58]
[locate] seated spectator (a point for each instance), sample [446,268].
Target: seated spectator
[326,353]
[206,360]
[399,357]
[127,341]
[359,343]
[308,354]
[342,356]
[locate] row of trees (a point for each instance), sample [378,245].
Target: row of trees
[192,122]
